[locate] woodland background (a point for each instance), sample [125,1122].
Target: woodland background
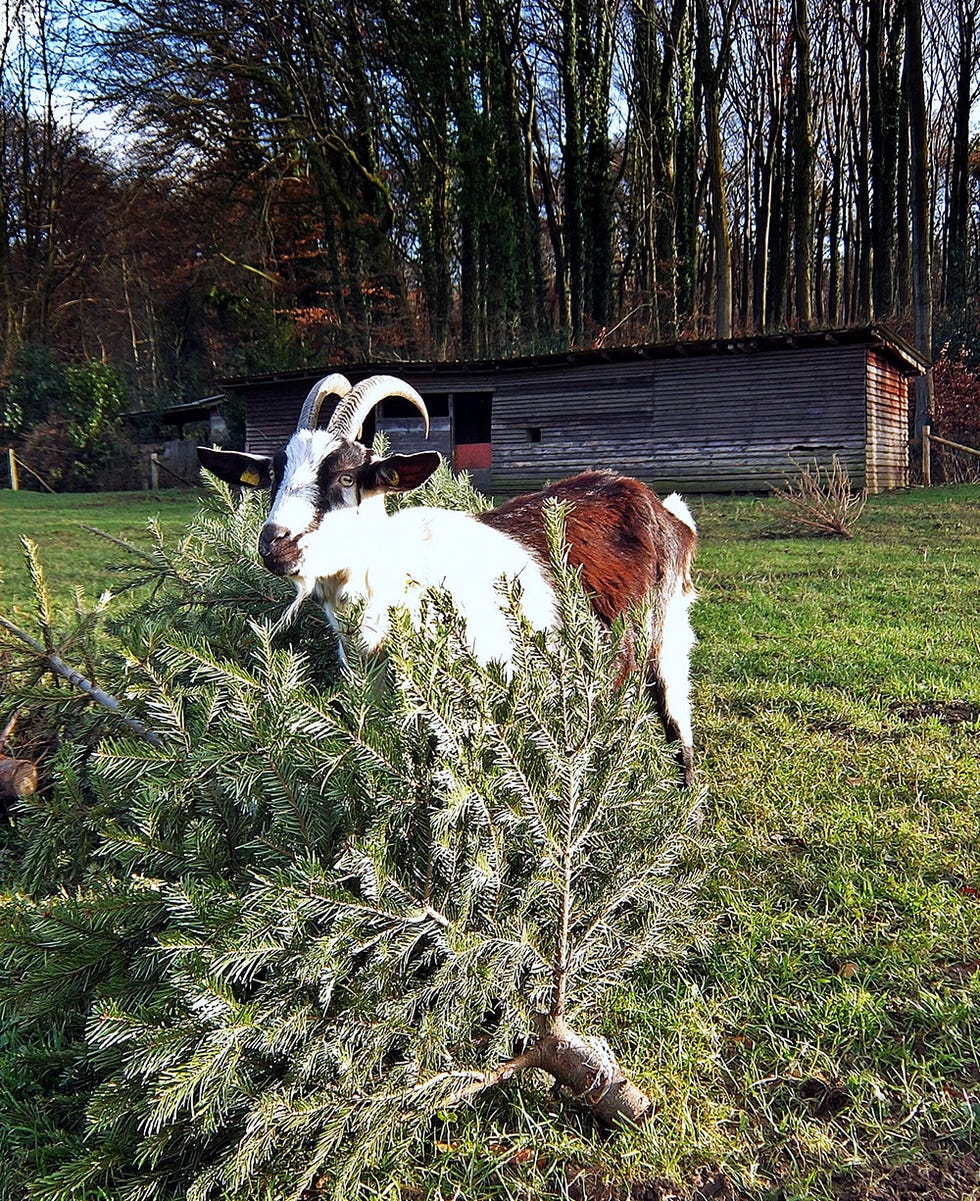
[216,187]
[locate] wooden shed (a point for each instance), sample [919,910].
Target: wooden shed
[737,415]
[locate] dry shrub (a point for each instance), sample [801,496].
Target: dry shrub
[821,499]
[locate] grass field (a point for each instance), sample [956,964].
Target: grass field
[830,1033]
[73,556]
[839,694]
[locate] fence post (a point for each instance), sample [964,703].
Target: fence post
[154,472]
[12,463]
[926,458]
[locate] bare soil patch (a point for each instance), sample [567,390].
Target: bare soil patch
[950,713]
[939,1179]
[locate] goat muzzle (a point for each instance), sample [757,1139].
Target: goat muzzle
[278,549]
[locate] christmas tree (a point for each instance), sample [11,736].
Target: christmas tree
[271,920]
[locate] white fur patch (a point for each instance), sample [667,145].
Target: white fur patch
[675,661]
[295,504]
[361,554]
[675,504]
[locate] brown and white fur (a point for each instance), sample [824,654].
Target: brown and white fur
[328,531]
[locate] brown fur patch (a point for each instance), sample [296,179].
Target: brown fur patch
[618,532]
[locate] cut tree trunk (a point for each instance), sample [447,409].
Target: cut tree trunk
[588,1068]
[585,1066]
[18,777]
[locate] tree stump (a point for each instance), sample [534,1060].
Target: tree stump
[18,777]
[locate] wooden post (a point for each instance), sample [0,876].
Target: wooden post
[154,473]
[12,463]
[926,458]
[18,777]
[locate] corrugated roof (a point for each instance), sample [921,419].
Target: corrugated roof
[192,410]
[878,336]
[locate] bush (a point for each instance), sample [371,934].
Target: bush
[37,387]
[51,450]
[310,916]
[95,400]
[957,416]
[78,446]
[821,500]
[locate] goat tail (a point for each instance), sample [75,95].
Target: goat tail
[675,504]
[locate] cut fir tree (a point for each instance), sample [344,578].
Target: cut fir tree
[319,913]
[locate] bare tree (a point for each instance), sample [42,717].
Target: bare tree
[921,225]
[803,165]
[954,28]
[712,58]
[54,193]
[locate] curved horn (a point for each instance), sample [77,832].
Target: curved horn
[349,415]
[330,385]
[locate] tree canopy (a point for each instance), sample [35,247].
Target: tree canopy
[286,184]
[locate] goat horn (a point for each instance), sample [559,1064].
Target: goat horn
[349,415]
[330,385]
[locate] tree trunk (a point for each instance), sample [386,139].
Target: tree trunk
[803,168]
[780,238]
[884,106]
[765,176]
[18,777]
[903,235]
[588,1068]
[644,161]
[561,317]
[525,303]
[585,1066]
[958,205]
[596,51]
[835,242]
[573,163]
[711,76]
[470,160]
[919,188]
[859,301]
[686,176]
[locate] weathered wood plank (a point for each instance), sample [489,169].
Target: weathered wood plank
[729,416]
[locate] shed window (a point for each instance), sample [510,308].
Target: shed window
[534,433]
[396,408]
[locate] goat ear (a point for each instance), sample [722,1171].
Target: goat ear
[236,467]
[399,473]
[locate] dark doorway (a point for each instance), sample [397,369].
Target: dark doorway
[472,416]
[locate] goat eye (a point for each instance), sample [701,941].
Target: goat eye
[347,480]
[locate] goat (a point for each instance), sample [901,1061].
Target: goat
[328,530]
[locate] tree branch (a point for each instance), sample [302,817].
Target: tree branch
[61,668]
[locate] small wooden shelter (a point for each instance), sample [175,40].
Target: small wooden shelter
[737,415]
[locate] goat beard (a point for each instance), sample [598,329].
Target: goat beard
[305,586]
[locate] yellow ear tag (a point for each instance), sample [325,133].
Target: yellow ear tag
[393,478]
[250,477]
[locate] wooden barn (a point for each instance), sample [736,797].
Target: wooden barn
[714,416]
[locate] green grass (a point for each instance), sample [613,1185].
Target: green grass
[831,1024]
[73,556]
[838,693]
